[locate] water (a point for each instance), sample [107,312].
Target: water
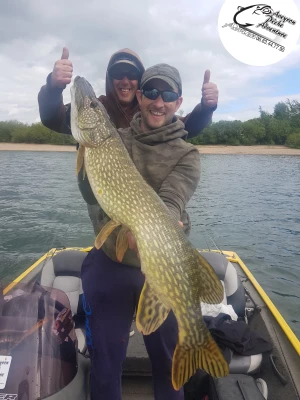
[249,204]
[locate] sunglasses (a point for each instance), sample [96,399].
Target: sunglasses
[167,95]
[119,74]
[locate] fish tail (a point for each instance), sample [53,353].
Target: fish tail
[206,356]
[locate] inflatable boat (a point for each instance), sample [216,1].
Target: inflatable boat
[43,336]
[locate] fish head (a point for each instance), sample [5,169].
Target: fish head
[263,9]
[252,15]
[90,123]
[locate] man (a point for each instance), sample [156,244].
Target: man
[120,100]
[123,76]
[155,142]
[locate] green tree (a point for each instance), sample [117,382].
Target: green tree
[294,113]
[293,140]
[38,133]
[7,127]
[279,130]
[281,111]
[254,132]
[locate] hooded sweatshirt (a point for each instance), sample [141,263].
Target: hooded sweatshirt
[120,117]
[169,164]
[56,116]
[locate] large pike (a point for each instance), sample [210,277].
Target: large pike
[177,277]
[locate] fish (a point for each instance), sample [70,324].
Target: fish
[252,15]
[177,276]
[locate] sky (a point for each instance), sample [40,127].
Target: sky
[182,33]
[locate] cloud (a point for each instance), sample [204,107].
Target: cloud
[230,118]
[181,33]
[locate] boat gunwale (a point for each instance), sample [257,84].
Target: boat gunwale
[230,255]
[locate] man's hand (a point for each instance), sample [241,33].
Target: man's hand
[210,92]
[62,71]
[132,243]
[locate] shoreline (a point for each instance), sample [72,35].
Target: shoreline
[249,150]
[35,147]
[207,149]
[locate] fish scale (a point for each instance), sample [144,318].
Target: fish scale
[177,277]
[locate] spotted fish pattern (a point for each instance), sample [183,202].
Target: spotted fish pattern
[177,277]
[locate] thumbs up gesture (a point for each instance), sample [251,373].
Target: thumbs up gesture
[210,92]
[62,71]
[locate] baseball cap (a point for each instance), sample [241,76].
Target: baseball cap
[164,72]
[125,59]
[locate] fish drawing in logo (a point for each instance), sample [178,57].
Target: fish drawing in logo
[252,15]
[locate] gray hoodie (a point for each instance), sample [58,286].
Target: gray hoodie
[169,164]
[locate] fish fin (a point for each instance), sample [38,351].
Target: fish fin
[151,312]
[210,288]
[206,356]
[122,243]
[80,159]
[105,232]
[83,172]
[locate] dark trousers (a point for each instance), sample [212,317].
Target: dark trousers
[111,294]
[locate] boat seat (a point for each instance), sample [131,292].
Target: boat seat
[236,296]
[62,271]
[234,289]
[245,364]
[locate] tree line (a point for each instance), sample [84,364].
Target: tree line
[282,127]
[17,132]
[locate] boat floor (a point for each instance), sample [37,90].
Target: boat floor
[137,388]
[137,383]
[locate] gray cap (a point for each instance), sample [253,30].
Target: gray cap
[125,60]
[164,72]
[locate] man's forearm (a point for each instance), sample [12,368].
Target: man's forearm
[197,120]
[52,109]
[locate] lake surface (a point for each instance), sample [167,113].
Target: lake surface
[246,203]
